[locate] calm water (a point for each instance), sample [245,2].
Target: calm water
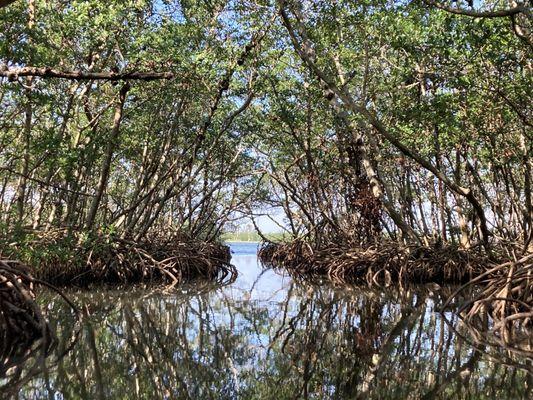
[264,337]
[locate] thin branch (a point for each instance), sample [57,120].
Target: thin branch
[44,183]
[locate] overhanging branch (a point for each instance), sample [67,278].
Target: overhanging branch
[46,72]
[4,3]
[509,12]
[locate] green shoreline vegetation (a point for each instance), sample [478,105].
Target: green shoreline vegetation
[253,237]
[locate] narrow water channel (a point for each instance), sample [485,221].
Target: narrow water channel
[265,336]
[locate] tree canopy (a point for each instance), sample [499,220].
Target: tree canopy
[405,119]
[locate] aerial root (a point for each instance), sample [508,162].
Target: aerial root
[506,298]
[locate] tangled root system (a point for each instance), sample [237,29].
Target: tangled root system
[21,320]
[65,258]
[375,264]
[506,297]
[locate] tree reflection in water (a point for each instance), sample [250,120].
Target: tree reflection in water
[273,340]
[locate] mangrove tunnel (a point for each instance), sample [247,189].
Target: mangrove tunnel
[266,199]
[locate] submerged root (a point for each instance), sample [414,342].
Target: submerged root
[60,257]
[375,264]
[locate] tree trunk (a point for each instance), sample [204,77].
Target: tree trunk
[106,166]
[28,116]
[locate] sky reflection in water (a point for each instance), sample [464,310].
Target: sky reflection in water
[265,337]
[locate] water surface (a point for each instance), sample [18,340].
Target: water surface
[265,337]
